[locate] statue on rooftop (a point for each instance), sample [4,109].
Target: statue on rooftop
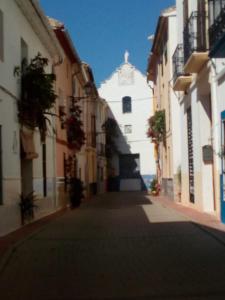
[126,56]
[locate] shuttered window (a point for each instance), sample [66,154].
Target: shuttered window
[44,170]
[201,25]
[190,156]
[185,11]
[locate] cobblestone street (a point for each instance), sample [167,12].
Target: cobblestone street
[117,246]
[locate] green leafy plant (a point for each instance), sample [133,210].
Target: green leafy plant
[157,127]
[27,206]
[75,133]
[37,94]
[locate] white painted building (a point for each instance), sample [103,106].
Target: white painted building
[130,101]
[24,31]
[217,83]
[199,83]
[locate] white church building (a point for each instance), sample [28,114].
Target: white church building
[129,98]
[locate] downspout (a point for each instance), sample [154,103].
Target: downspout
[215,134]
[86,101]
[54,65]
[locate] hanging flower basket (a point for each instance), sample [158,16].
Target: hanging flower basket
[37,94]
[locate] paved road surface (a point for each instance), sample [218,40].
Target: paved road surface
[119,246]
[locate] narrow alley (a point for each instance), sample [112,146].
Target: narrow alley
[117,246]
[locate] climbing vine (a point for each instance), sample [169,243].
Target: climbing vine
[157,127]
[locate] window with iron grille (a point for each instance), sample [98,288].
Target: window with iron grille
[216,26]
[215,8]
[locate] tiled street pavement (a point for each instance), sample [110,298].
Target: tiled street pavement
[118,246]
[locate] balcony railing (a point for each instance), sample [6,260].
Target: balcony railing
[178,62]
[101,149]
[93,139]
[181,80]
[217,29]
[195,34]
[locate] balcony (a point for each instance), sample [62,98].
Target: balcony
[195,42]
[101,149]
[217,28]
[181,80]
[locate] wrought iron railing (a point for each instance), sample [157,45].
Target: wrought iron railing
[195,34]
[101,149]
[217,29]
[93,139]
[178,62]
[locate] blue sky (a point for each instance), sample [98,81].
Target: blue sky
[103,29]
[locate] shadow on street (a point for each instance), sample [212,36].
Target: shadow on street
[117,246]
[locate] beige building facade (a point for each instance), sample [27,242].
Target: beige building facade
[160,73]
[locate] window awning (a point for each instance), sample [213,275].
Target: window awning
[27,142]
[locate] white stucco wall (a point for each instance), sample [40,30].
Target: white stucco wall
[16,27]
[113,91]
[198,98]
[218,106]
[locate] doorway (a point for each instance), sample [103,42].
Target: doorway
[130,178]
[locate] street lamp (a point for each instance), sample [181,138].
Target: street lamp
[88,89]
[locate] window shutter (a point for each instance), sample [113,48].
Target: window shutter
[185,11]
[1,37]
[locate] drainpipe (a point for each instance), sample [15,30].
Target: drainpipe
[215,135]
[55,64]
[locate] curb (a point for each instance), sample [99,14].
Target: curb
[12,248]
[203,226]
[8,254]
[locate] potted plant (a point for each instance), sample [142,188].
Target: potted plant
[154,187]
[27,206]
[76,192]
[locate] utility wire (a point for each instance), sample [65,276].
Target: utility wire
[138,99]
[137,141]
